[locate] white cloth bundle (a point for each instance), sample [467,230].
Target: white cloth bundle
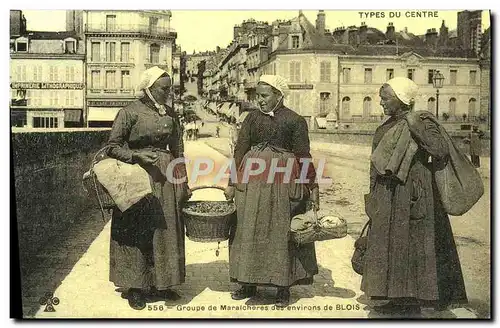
[126,183]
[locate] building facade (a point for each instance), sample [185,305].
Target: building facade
[47,75]
[121,45]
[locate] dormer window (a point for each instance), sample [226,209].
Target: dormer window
[70,46]
[295,41]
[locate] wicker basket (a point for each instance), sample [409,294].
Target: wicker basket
[317,232]
[209,227]
[97,193]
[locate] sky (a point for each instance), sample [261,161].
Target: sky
[206,29]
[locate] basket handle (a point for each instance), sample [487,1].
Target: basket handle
[208,187]
[367,225]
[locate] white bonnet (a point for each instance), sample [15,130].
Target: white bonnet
[149,77]
[276,81]
[405,89]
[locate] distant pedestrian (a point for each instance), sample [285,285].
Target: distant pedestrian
[217,131]
[474,140]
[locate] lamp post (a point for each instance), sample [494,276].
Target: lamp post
[437,81]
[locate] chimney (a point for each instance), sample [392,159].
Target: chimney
[390,34]
[353,36]
[443,35]
[431,37]
[340,35]
[363,33]
[320,22]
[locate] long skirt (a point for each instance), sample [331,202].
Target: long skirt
[260,251]
[147,241]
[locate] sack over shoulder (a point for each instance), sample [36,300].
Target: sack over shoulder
[458,182]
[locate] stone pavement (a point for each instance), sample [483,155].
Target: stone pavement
[87,293]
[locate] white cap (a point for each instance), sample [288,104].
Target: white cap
[405,89]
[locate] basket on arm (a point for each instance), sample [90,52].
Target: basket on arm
[99,195]
[306,229]
[208,221]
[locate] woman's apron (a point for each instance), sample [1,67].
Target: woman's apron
[260,251]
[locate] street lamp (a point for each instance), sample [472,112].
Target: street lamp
[437,81]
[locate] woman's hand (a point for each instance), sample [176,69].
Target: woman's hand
[145,157]
[187,193]
[229,192]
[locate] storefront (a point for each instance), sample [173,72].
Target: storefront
[46,105]
[102,113]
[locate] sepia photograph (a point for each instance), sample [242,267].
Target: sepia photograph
[256,164]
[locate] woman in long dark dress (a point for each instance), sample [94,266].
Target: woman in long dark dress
[147,253]
[260,252]
[411,259]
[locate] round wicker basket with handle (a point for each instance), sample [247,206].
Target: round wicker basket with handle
[211,226]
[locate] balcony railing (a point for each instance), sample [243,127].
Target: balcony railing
[129,28]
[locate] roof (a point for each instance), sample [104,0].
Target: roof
[312,39]
[44,35]
[393,50]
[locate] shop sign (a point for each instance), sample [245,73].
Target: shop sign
[46,85]
[300,86]
[102,103]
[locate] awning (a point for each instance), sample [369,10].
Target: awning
[107,114]
[72,115]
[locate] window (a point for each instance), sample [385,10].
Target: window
[472,108]
[96,52]
[70,74]
[110,23]
[22,46]
[472,77]
[411,74]
[368,75]
[111,52]
[346,104]
[70,97]
[54,74]
[70,47]
[367,107]
[295,72]
[389,74]
[431,104]
[125,80]
[125,50]
[453,107]
[325,72]
[295,101]
[22,73]
[96,80]
[154,55]
[295,41]
[347,75]
[37,73]
[110,80]
[45,122]
[453,77]
[430,76]
[54,98]
[153,25]
[324,102]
